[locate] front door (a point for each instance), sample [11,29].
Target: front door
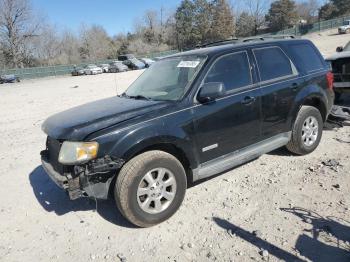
[232,122]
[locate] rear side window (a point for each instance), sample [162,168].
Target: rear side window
[232,70]
[307,56]
[273,63]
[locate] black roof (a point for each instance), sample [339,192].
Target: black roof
[213,50]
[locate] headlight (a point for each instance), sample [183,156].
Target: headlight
[77,152]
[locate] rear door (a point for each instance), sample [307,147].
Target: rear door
[232,122]
[279,84]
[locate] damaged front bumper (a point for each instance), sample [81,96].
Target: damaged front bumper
[92,179]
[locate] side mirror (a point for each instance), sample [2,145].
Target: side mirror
[339,49]
[211,91]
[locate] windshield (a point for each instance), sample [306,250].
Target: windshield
[347,47]
[166,79]
[347,22]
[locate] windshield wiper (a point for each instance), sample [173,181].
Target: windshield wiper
[137,97]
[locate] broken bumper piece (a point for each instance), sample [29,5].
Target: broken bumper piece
[90,180]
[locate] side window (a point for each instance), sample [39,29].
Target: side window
[232,70]
[273,63]
[307,56]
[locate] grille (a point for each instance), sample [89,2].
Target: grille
[53,147]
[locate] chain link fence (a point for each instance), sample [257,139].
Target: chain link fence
[315,27]
[58,70]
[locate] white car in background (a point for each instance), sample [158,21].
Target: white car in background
[345,28]
[105,67]
[93,70]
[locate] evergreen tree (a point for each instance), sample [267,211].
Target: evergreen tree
[281,15]
[185,25]
[223,26]
[334,9]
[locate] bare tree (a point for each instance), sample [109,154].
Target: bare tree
[257,10]
[47,46]
[308,10]
[17,25]
[95,43]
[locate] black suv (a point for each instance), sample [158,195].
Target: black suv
[190,116]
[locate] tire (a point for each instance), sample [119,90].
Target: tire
[132,177]
[302,142]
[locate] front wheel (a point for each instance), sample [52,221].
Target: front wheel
[150,188]
[307,131]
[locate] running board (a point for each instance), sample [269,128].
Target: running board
[239,157]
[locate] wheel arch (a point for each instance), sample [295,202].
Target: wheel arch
[171,148]
[311,96]
[317,103]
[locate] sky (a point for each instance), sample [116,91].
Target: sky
[114,15]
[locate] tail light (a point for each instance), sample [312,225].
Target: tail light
[330,80]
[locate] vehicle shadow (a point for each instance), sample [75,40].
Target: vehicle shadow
[257,241]
[329,240]
[54,199]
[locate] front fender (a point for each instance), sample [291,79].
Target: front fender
[175,129]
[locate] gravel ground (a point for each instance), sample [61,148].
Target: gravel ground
[328,41]
[278,207]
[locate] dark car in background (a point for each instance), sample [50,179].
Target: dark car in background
[134,64]
[78,71]
[126,57]
[188,117]
[9,79]
[117,66]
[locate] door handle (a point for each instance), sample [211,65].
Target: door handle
[248,100]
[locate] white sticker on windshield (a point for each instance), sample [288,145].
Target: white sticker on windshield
[190,64]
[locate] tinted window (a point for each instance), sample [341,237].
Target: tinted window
[307,56]
[232,70]
[273,63]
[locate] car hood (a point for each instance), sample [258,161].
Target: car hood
[344,27]
[78,122]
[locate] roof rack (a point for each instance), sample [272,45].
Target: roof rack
[221,42]
[247,39]
[267,37]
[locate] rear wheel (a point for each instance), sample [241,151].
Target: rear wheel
[307,131]
[150,188]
